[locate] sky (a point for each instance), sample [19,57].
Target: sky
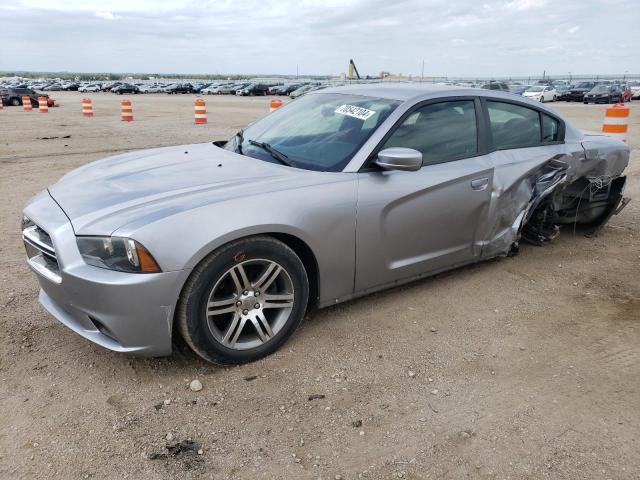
[454,37]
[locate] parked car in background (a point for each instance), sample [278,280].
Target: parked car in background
[501,86]
[301,91]
[253,89]
[211,89]
[179,88]
[627,94]
[70,87]
[635,92]
[153,88]
[237,86]
[360,188]
[108,86]
[274,88]
[517,89]
[541,93]
[125,88]
[226,88]
[576,92]
[89,88]
[561,89]
[286,89]
[604,94]
[13,97]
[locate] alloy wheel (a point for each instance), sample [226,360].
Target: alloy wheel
[249,304]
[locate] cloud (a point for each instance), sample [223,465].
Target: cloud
[107,15]
[462,38]
[523,5]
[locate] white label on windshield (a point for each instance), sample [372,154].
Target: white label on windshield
[355,112]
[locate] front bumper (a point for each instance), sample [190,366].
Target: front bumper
[120,311]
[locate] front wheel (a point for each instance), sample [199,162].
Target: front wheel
[243,301]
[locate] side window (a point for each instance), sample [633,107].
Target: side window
[513,126]
[441,131]
[550,129]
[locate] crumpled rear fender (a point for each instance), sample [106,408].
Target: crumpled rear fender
[529,179]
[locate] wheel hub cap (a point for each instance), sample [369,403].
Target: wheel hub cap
[248,302]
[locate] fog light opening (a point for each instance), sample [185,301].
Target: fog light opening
[103,329]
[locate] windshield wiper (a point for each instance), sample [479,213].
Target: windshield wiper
[281,157]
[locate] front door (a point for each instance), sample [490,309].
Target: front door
[410,223]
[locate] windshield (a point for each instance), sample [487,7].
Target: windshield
[535,89]
[600,89]
[584,85]
[316,132]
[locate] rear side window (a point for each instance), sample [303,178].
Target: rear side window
[443,132]
[550,129]
[513,126]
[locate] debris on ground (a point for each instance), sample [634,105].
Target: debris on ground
[195,385]
[53,138]
[173,449]
[316,396]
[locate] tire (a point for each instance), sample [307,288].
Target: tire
[15,102]
[555,98]
[542,99]
[234,332]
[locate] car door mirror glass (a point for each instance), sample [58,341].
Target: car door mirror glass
[399,158]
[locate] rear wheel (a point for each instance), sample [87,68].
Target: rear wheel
[243,301]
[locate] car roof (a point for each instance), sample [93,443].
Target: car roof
[413,91]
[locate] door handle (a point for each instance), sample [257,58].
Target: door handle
[479,183]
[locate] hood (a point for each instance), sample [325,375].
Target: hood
[531,94]
[141,186]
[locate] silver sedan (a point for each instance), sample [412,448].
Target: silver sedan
[338,194]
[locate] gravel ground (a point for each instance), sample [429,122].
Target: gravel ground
[519,368]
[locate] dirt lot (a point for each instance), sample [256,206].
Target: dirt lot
[525,367]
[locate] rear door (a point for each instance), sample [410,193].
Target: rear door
[412,223]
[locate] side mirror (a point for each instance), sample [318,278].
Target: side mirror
[399,158]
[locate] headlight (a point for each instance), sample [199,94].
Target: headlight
[117,253]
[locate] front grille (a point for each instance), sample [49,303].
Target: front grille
[41,252]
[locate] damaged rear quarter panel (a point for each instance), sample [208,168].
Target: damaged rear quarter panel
[523,176]
[516,173]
